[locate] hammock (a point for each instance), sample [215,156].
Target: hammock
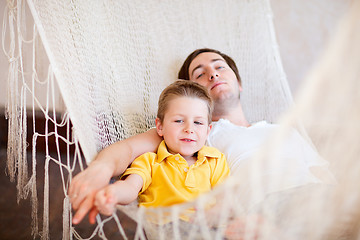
[111,59]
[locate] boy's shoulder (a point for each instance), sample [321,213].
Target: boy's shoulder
[210,152]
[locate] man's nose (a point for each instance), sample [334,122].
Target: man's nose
[213,75]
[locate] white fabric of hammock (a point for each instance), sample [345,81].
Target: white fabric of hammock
[111,59]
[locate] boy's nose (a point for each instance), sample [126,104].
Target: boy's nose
[189,128]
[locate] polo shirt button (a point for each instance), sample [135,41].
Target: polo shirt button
[185,169]
[177,158]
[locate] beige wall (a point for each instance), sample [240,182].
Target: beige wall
[302,27]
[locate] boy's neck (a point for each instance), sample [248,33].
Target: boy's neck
[191,159]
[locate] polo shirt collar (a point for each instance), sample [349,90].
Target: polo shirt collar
[162,152]
[205,151]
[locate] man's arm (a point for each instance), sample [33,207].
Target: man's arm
[111,161]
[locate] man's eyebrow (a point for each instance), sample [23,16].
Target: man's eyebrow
[201,65]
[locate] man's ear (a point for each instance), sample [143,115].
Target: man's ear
[159,127]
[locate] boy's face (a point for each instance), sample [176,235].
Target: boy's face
[185,126]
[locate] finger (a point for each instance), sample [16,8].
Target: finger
[84,192]
[71,188]
[83,209]
[74,184]
[109,199]
[109,195]
[92,215]
[108,210]
[74,200]
[71,191]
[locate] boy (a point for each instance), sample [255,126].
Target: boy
[183,167]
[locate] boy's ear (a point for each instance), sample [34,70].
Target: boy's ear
[209,129]
[159,127]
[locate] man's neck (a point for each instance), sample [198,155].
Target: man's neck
[234,114]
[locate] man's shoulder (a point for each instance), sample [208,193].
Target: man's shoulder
[227,123]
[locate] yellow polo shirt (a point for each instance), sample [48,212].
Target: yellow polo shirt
[168,179]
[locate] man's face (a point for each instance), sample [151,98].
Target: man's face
[211,70]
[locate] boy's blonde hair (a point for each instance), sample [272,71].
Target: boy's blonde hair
[183,88]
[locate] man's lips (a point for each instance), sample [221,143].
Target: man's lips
[216,84]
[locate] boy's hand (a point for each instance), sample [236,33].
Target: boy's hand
[105,200]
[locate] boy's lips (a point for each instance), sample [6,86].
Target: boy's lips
[217,84]
[187,140]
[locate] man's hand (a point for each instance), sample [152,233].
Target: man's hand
[84,187]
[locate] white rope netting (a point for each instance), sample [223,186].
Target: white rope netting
[136,57]
[111,59]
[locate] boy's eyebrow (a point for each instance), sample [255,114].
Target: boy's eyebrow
[201,65]
[184,115]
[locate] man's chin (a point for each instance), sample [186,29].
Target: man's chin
[221,96]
